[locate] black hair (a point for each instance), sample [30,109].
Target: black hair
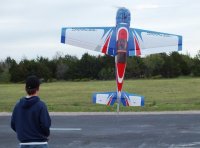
[32,84]
[32,91]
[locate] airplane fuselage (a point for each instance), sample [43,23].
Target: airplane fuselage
[122,27]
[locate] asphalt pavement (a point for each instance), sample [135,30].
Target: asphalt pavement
[116,131]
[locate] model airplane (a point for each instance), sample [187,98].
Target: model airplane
[121,41]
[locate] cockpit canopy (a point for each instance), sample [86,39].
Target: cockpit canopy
[121,51]
[121,44]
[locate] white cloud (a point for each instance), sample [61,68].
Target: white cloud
[150,6]
[32,27]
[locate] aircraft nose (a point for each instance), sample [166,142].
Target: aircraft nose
[123,16]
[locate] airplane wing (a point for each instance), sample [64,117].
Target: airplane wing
[101,39]
[144,42]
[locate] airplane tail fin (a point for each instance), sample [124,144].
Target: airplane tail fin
[109,98]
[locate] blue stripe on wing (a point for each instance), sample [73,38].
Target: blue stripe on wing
[179,43]
[63,35]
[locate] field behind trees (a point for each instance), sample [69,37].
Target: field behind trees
[67,96]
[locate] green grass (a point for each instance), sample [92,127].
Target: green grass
[160,95]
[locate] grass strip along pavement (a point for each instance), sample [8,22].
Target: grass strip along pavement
[160,95]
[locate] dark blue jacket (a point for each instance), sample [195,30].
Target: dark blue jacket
[30,120]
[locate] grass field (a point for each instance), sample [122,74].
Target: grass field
[160,95]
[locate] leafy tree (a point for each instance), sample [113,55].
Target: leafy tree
[1,69]
[107,74]
[88,67]
[196,65]
[153,64]
[17,73]
[71,63]
[61,70]
[170,67]
[186,65]
[101,67]
[135,67]
[181,64]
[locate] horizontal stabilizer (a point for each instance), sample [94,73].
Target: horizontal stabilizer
[132,99]
[107,98]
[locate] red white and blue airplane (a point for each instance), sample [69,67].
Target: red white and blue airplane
[121,41]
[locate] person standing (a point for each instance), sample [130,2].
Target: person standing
[30,118]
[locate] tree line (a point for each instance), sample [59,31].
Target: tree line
[88,67]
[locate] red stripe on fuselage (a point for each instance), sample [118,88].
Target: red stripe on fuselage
[121,69]
[120,75]
[122,34]
[119,86]
[121,66]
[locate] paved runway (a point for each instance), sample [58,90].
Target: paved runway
[116,131]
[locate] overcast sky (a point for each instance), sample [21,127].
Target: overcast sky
[31,28]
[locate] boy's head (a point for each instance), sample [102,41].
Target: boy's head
[32,85]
